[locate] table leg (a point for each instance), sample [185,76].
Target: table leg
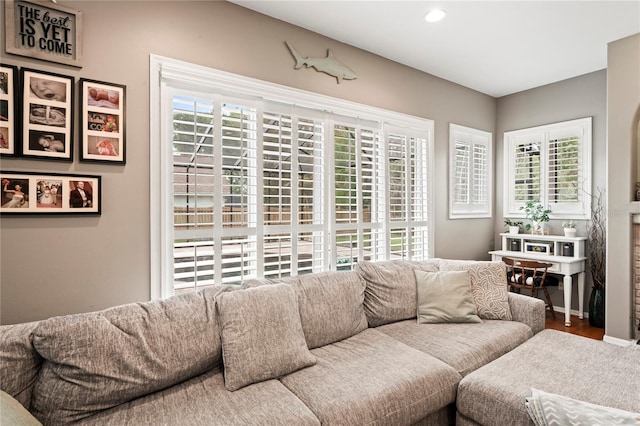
[567,281]
[581,294]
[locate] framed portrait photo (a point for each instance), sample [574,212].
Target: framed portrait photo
[47,115]
[8,111]
[49,193]
[103,122]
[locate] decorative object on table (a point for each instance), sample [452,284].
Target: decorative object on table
[44,30]
[103,122]
[514,225]
[637,198]
[569,227]
[8,110]
[329,65]
[537,214]
[49,193]
[47,115]
[539,248]
[567,249]
[597,258]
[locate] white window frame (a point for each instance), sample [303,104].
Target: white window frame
[166,73]
[472,138]
[582,129]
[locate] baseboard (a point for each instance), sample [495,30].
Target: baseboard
[620,342]
[574,312]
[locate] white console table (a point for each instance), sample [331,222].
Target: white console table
[566,254]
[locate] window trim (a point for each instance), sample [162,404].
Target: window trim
[167,72]
[583,211]
[476,137]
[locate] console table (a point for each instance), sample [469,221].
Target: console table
[566,254]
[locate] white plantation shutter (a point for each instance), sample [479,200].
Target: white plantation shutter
[550,164]
[470,167]
[256,180]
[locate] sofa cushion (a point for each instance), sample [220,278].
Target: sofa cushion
[390,294]
[12,413]
[19,361]
[331,306]
[488,286]
[445,297]
[204,400]
[261,333]
[98,360]
[373,379]
[465,347]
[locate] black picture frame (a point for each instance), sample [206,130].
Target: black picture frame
[103,122]
[9,111]
[47,115]
[31,193]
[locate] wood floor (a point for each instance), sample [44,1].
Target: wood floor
[579,326]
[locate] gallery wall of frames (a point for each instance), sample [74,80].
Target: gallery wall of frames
[37,122]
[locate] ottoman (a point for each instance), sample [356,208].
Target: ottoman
[555,362]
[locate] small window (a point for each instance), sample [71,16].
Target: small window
[470,172]
[550,164]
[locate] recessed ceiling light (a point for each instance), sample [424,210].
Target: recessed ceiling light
[435,15]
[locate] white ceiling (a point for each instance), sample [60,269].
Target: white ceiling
[494,47]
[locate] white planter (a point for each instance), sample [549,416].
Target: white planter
[570,232]
[514,229]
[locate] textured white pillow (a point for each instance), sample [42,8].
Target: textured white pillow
[445,297]
[488,286]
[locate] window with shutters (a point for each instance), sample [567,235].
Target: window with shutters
[470,167]
[255,180]
[550,164]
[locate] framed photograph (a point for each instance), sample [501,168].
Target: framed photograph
[538,248]
[103,125]
[8,110]
[49,193]
[43,30]
[47,115]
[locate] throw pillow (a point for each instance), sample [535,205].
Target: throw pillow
[14,414]
[488,286]
[390,294]
[445,297]
[261,334]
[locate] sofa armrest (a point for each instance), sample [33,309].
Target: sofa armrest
[528,310]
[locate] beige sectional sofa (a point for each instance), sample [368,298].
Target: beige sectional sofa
[337,348]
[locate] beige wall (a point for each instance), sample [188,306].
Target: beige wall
[583,96]
[60,265]
[623,103]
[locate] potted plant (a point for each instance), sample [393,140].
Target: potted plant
[537,214]
[569,228]
[514,226]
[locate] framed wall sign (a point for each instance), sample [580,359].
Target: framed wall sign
[49,193]
[43,30]
[103,122]
[47,115]
[9,123]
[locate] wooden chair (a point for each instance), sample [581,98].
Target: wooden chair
[528,275]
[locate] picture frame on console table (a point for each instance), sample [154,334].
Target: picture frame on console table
[103,122]
[28,193]
[47,115]
[9,122]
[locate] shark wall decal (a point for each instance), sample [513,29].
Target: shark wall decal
[329,65]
